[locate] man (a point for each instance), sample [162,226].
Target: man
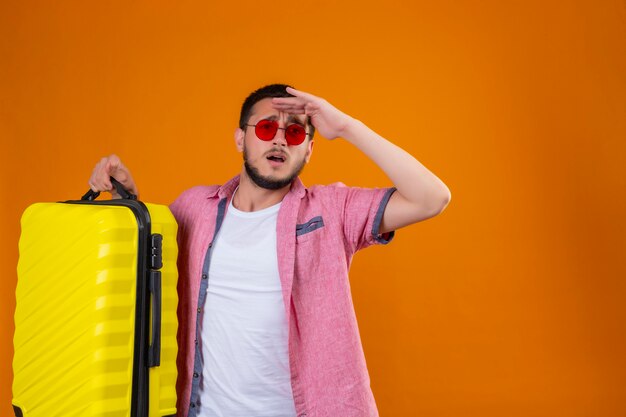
[267,326]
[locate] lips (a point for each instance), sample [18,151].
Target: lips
[278,157]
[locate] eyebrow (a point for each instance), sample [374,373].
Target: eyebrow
[291,119]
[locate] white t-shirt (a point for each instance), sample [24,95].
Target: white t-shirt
[244,328]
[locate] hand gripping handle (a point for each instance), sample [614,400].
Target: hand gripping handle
[92,195]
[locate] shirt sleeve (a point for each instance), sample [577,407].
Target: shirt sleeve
[181,208]
[176,209]
[363,210]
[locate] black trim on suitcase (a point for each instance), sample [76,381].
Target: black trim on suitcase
[141,362]
[154,352]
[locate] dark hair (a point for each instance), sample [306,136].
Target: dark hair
[272,90]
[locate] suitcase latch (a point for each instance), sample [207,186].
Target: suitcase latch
[156,251]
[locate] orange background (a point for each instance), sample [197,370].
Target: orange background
[510,303]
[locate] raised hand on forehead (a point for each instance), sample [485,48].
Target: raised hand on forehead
[329,121]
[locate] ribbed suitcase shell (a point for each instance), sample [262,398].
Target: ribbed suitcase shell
[76,313]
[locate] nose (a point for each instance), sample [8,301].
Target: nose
[279,137]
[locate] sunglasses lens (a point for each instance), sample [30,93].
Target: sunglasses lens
[266,129]
[295,134]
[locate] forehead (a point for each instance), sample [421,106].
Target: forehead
[263,110]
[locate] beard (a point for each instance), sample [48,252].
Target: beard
[269,182]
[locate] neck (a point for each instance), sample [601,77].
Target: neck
[251,197]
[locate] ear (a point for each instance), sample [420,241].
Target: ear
[239,134]
[309,150]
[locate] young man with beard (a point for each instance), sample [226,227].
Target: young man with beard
[266,321]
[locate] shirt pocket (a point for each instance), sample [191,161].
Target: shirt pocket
[309,229]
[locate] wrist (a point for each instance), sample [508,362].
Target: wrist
[354,131]
[350,129]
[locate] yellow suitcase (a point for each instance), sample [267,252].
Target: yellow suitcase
[95,318]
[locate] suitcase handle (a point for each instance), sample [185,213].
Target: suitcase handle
[154,352]
[92,195]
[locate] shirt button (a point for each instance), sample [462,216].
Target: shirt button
[196,342]
[210,245]
[195,374]
[204,276]
[199,309]
[193,405]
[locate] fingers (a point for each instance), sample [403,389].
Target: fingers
[293,107]
[303,103]
[299,93]
[99,180]
[111,166]
[300,97]
[292,101]
[292,110]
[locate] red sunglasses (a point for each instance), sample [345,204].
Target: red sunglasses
[266,130]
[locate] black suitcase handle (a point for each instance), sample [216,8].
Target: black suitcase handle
[92,195]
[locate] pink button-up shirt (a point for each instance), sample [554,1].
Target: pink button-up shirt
[318,231]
